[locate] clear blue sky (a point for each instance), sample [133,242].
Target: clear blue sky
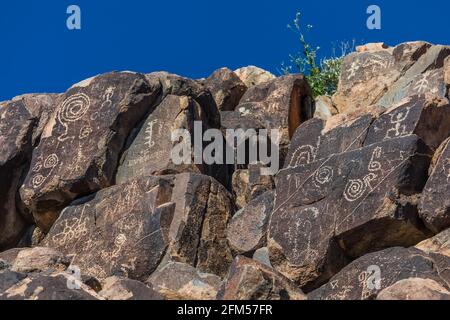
[189,37]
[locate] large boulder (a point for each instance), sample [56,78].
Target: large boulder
[21,124]
[117,288]
[350,186]
[251,280]
[438,244]
[347,205]
[435,201]
[424,76]
[226,88]
[129,229]
[367,276]
[149,148]
[180,281]
[385,76]
[247,230]
[49,287]
[253,76]
[368,74]
[40,259]
[248,184]
[415,289]
[81,143]
[281,104]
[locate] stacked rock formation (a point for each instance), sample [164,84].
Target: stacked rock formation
[93,207]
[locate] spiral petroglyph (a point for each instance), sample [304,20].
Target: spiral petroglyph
[354,190]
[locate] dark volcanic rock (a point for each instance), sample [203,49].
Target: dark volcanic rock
[247,230]
[80,146]
[116,288]
[150,152]
[128,229]
[345,206]
[149,149]
[435,201]
[21,123]
[251,280]
[226,88]
[180,281]
[358,280]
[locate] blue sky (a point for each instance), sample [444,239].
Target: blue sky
[188,37]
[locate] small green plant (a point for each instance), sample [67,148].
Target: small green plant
[323,75]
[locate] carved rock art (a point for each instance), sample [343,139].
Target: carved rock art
[21,124]
[130,229]
[79,150]
[282,103]
[344,206]
[356,282]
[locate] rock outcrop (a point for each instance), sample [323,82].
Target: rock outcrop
[94,206]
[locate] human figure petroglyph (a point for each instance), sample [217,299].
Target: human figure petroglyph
[149,134]
[353,70]
[107,96]
[72,110]
[397,118]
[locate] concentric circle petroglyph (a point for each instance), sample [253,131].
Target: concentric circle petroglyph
[74,108]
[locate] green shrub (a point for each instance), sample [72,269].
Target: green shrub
[323,76]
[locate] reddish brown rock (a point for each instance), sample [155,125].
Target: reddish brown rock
[425,76]
[247,230]
[367,276]
[128,230]
[251,280]
[249,184]
[180,281]
[81,143]
[253,76]
[40,259]
[367,75]
[415,289]
[438,244]
[435,201]
[116,288]
[226,88]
